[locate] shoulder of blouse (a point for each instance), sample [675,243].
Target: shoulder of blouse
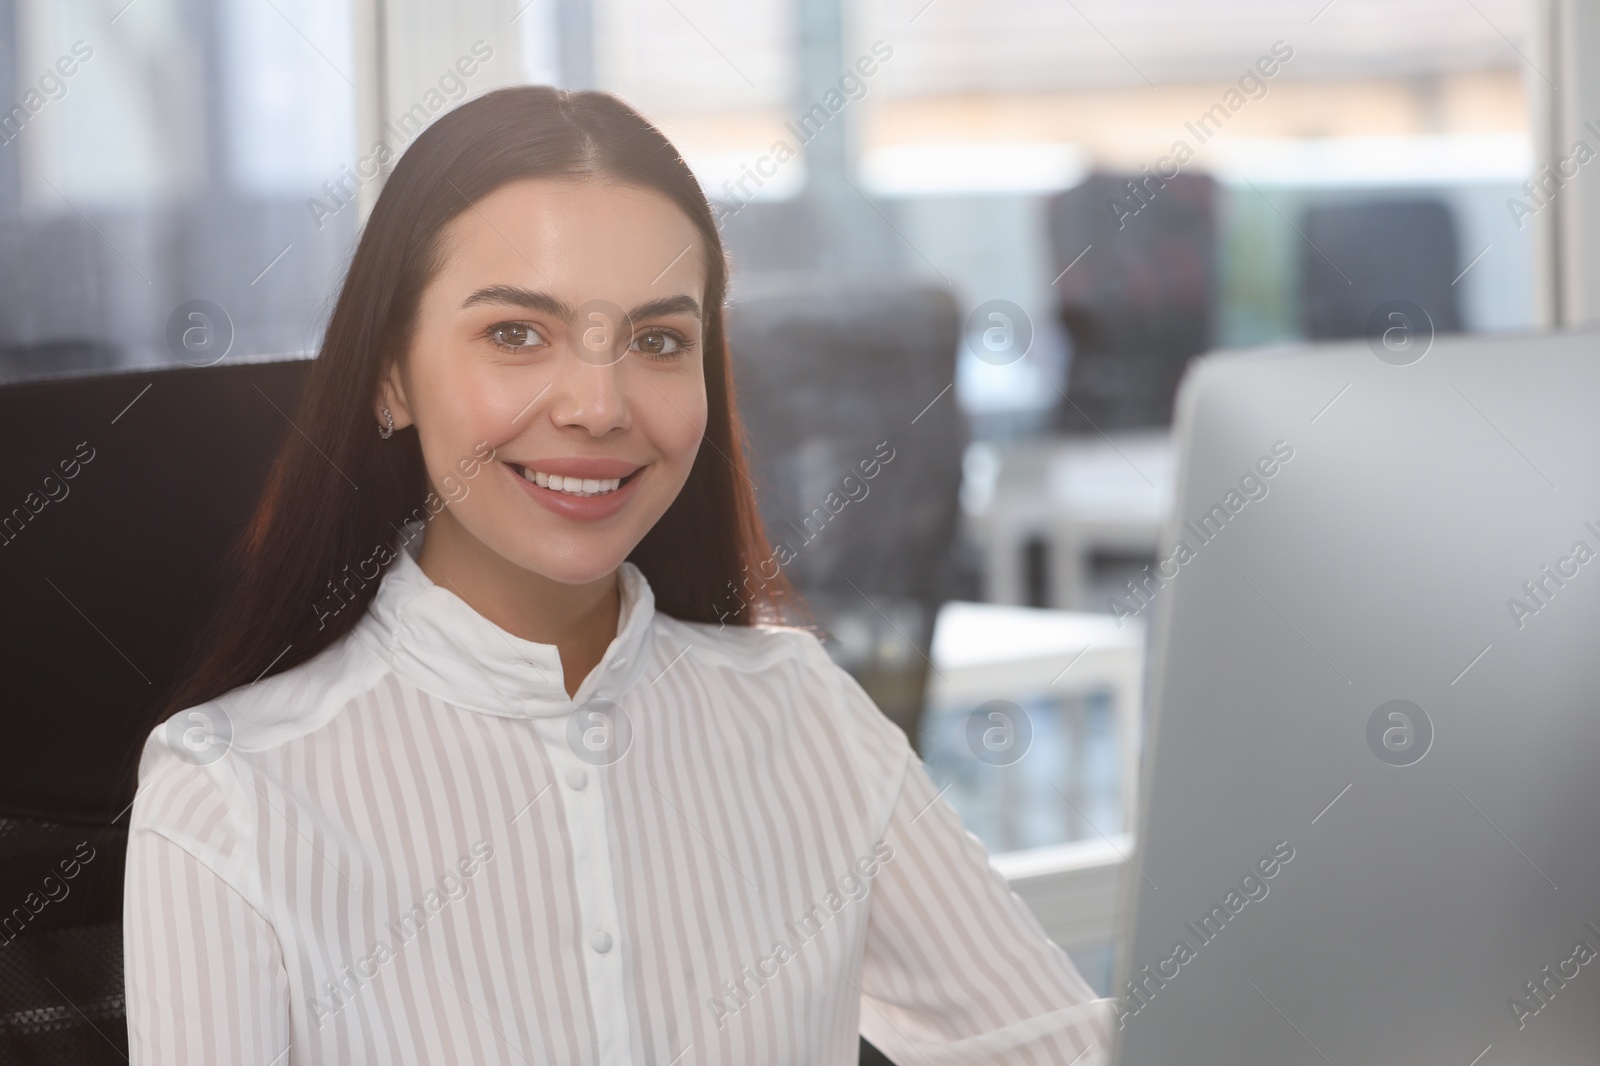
[821,693]
[192,787]
[282,707]
[744,649]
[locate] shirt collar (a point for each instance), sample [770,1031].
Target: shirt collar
[436,641]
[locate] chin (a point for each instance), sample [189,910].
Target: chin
[569,573]
[585,564]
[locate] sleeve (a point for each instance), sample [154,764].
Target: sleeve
[957,970]
[204,971]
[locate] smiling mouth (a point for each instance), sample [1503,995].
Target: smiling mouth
[574,486]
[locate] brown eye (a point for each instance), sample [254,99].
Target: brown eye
[658,343]
[513,335]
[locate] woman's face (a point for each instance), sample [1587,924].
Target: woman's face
[564,331]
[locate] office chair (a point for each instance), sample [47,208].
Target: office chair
[1138,303]
[105,587]
[108,574]
[834,372]
[1358,256]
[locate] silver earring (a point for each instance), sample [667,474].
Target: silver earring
[387,431]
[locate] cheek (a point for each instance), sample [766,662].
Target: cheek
[459,409]
[676,427]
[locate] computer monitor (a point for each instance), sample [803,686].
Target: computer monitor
[1372,787]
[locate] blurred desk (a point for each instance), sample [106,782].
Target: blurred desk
[1070,499]
[984,652]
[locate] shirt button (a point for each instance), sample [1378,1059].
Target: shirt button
[576,779]
[600,940]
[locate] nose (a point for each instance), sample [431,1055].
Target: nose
[590,397]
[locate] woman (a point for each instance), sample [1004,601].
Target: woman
[477,764]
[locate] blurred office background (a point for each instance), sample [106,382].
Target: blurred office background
[945,257]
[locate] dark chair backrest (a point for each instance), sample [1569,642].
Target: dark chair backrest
[1139,302]
[120,495]
[121,492]
[832,373]
[1358,256]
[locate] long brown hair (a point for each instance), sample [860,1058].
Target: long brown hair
[337,490]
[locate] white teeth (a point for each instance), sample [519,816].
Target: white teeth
[574,486]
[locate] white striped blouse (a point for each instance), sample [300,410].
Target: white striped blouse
[415,848]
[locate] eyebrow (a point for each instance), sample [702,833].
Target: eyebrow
[533,300]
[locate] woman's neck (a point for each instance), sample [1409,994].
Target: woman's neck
[580,620]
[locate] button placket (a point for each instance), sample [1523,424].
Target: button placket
[584,808]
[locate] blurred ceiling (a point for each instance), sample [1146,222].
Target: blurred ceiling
[1027,45]
[730,55]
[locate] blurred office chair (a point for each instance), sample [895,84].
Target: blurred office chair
[108,575]
[1138,303]
[1358,256]
[1079,513]
[832,373]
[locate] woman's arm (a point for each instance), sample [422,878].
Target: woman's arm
[958,970]
[205,977]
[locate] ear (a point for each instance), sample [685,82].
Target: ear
[392,394]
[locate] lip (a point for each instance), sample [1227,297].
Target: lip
[580,508]
[578,467]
